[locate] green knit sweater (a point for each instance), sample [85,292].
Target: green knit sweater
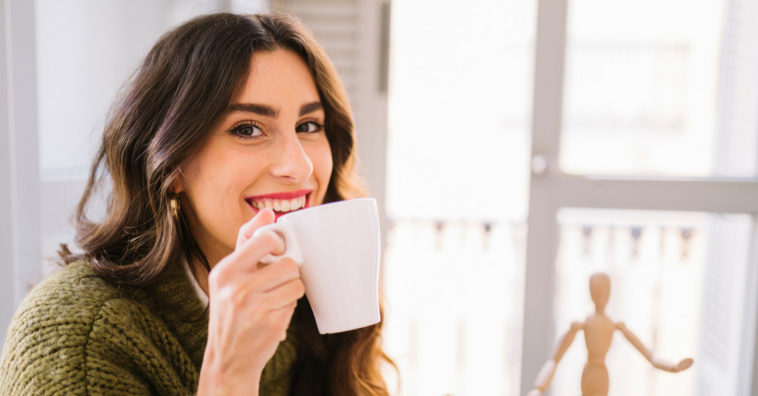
[76,334]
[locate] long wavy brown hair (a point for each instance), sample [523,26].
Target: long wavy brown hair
[165,113]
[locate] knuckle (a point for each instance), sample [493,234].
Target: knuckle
[299,288]
[274,324]
[269,240]
[244,231]
[290,267]
[214,278]
[283,335]
[225,266]
[251,301]
[241,298]
[226,295]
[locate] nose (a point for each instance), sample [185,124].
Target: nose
[290,162]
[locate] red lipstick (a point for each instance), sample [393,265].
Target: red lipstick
[280,195]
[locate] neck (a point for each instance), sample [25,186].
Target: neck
[198,267]
[201,273]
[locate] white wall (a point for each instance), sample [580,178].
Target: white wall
[19,217]
[86,51]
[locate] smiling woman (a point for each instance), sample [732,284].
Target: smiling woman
[269,147]
[229,122]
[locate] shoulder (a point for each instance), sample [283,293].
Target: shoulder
[52,329]
[73,293]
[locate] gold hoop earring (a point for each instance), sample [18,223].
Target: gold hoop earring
[173,206]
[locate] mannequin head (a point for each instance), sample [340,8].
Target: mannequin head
[600,290]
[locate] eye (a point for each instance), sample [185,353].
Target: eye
[246,131]
[309,127]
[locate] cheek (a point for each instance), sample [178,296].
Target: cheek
[214,184]
[219,171]
[322,164]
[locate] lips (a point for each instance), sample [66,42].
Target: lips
[280,202]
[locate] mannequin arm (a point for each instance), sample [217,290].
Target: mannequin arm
[657,363]
[548,369]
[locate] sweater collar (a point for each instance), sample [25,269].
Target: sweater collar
[176,301]
[179,300]
[199,292]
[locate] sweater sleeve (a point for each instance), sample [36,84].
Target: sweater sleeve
[63,349]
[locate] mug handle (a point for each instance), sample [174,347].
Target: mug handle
[291,247]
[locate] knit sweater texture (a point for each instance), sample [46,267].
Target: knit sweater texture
[77,334]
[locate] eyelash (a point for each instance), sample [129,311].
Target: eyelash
[319,127]
[237,129]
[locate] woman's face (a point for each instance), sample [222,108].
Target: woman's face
[269,150]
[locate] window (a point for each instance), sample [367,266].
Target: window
[457,194]
[643,154]
[678,282]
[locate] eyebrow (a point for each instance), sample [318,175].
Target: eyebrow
[269,111]
[310,108]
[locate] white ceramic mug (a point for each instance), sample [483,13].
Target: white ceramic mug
[337,247]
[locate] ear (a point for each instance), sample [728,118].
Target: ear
[176,188]
[177,185]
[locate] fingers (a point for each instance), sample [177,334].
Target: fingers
[273,275]
[263,217]
[250,249]
[251,308]
[245,258]
[260,245]
[284,316]
[267,298]
[285,294]
[265,280]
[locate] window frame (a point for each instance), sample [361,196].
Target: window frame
[19,168]
[551,190]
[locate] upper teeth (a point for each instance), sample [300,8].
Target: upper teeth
[280,205]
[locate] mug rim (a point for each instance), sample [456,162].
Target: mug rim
[325,205]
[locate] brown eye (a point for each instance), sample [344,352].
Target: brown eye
[309,127]
[247,131]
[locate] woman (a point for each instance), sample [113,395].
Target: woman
[230,122]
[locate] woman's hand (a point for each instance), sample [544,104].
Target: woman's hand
[250,310]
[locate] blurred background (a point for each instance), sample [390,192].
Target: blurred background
[515,147]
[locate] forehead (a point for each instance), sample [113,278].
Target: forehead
[278,78]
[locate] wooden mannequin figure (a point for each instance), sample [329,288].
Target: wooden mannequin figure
[598,333]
